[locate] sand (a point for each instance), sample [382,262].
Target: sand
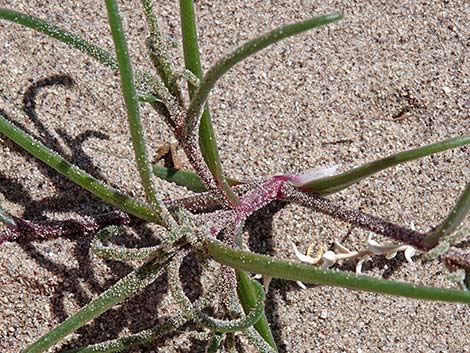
[389,77]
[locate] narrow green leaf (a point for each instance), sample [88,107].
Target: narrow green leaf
[192,59]
[207,140]
[124,288]
[210,152]
[266,265]
[247,49]
[247,294]
[335,183]
[75,174]
[158,52]
[453,220]
[185,178]
[180,177]
[133,114]
[60,34]
[199,96]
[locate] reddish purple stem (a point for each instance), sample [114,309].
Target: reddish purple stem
[42,230]
[259,197]
[457,258]
[253,197]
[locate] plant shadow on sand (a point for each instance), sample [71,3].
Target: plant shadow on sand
[81,282]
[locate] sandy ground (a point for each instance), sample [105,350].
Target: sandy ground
[390,76]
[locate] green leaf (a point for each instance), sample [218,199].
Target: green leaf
[185,178]
[335,183]
[75,174]
[453,220]
[210,152]
[60,34]
[207,140]
[133,114]
[266,265]
[247,294]
[131,284]
[199,97]
[180,177]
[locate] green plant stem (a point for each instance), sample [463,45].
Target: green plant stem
[453,220]
[131,284]
[265,265]
[335,183]
[60,34]
[133,113]
[75,174]
[207,140]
